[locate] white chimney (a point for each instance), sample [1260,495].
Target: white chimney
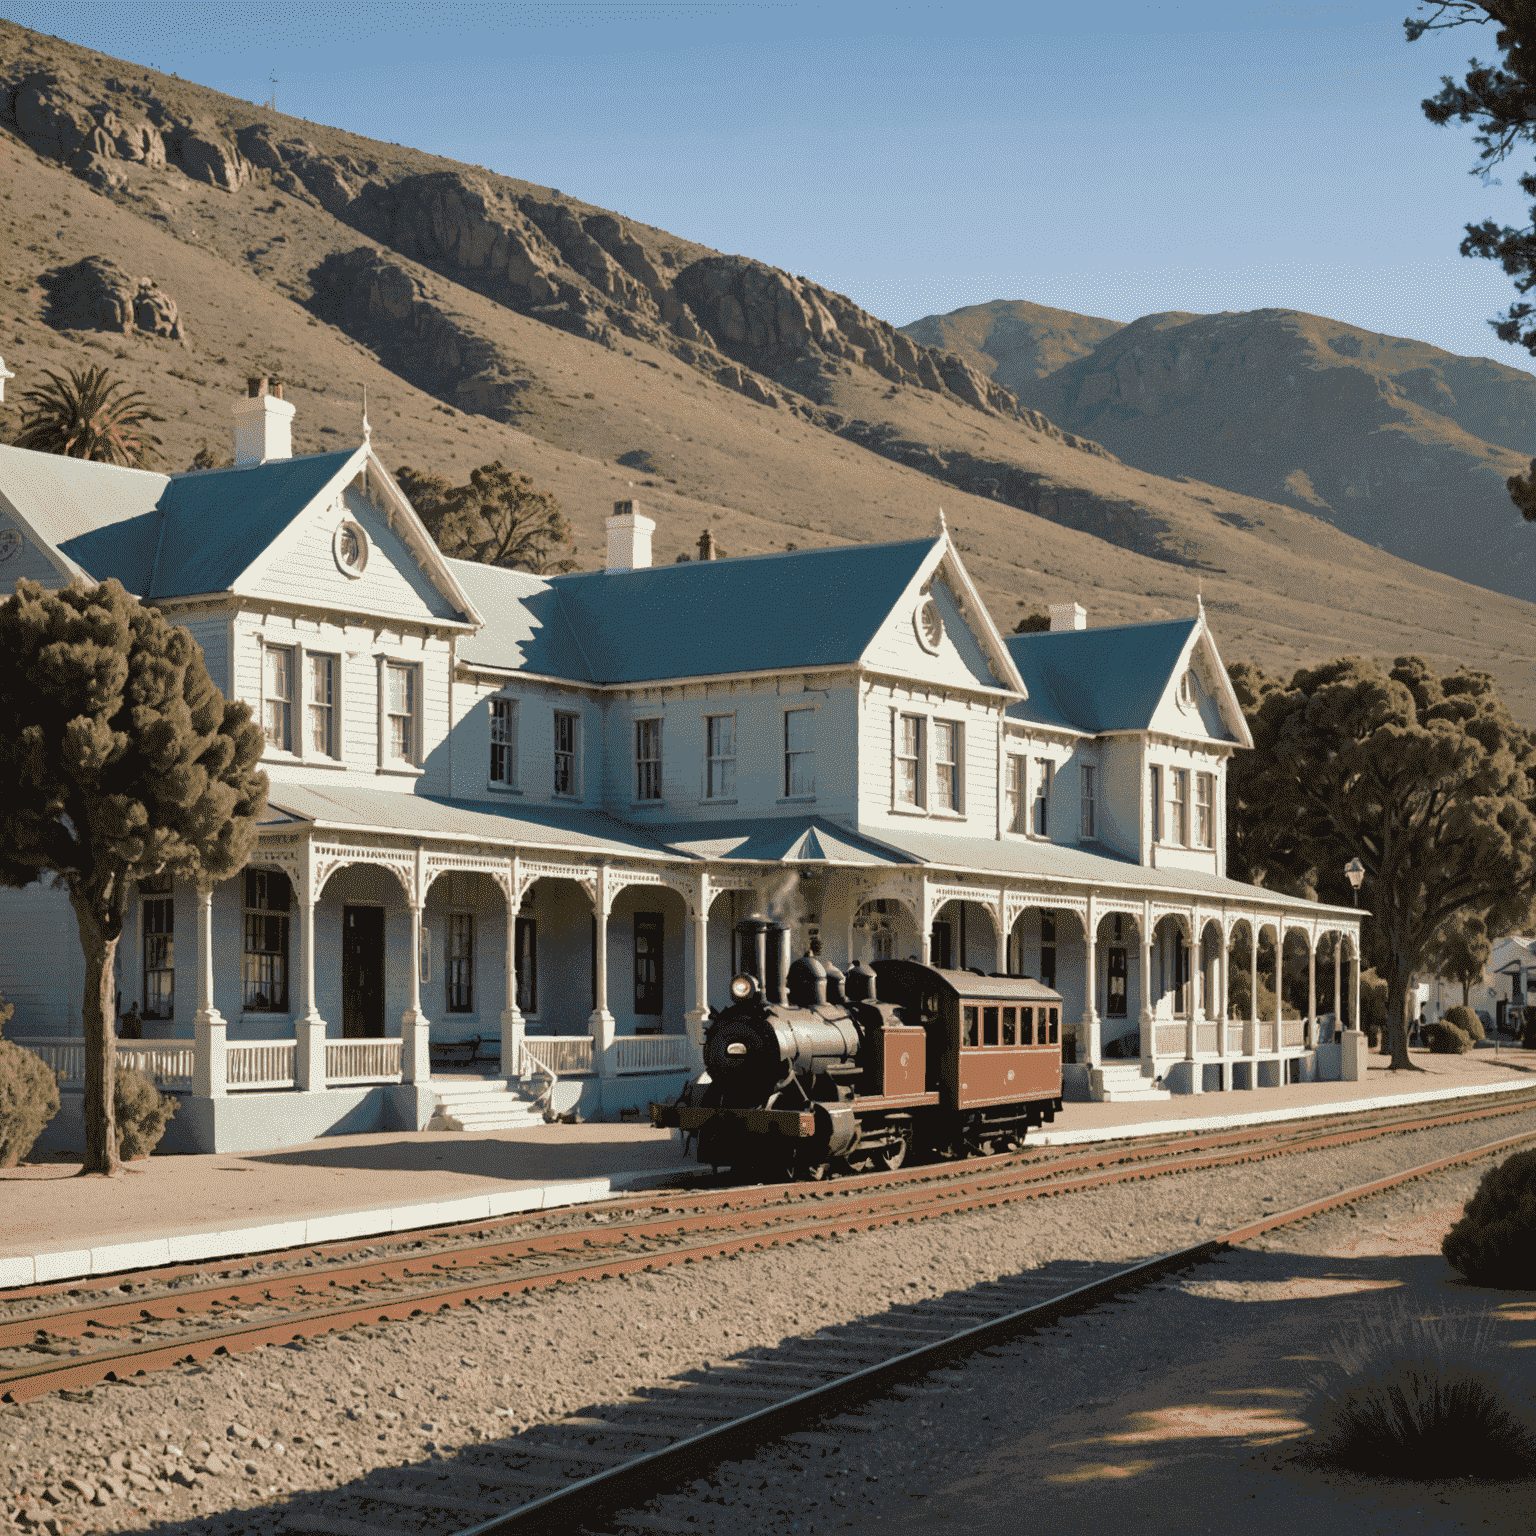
[263,424]
[1068,616]
[629,537]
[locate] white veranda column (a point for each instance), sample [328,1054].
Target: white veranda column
[209,1070]
[1279,974]
[1222,1044]
[1338,956]
[698,979]
[415,1031]
[511,1016]
[308,1027]
[1251,1034]
[1144,1018]
[1091,1030]
[601,1022]
[1311,1034]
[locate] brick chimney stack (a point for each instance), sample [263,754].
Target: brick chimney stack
[1068,616]
[263,424]
[629,537]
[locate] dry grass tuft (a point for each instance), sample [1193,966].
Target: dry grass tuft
[1422,1398]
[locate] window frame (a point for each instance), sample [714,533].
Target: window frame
[1040,800]
[332,707]
[164,901]
[388,761]
[1016,791]
[916,757]
[725,761]
[280,955]
[1155,780]
[648,769]
[269,652]
[792,756]
[954,802]
[1177,801]
[572,753]
[1088,810]
[459,969]
[502,710]
[1205,810]
[525,942]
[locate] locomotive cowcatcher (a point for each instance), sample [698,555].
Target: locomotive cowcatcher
[807,1070]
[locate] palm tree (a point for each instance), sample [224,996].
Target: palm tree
[89,415]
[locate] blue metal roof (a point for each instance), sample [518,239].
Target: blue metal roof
[1095,680]
[203,529]
[525,630]
[809,608]
[217,521]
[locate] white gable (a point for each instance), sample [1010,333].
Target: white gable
[1205,707]
[964,650]
[24,556]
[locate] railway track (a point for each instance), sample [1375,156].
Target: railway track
[591,1471]
[140,1323]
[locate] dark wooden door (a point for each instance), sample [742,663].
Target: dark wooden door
[648,977]
[362,972]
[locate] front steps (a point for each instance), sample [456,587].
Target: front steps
[482,1104]
[1121,1082]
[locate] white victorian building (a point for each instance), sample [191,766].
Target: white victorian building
[523,814]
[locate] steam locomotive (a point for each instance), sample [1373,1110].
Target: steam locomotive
[809,1071]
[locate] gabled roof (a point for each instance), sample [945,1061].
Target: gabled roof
[777,840]
[167,536]
[1098,680]
[759,613]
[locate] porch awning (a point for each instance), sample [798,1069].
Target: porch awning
[1094,864]
[382,810]
[780,840]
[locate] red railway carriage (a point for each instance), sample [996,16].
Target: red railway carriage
[808,1070]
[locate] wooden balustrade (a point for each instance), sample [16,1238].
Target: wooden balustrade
[362,1061]
[651,1053]
[259,1063]
[564,1055]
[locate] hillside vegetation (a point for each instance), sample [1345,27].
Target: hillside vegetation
[192,239]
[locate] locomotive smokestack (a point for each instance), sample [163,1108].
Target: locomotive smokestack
[778,986]
[752,948]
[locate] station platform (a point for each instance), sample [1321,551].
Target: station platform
[56,1226]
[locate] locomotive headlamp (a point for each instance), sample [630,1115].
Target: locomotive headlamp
[743,986]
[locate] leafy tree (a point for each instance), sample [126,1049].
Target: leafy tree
[1426,780]
[1500,100]
[497,519]
[89,415]
[1460,950]
[120,760]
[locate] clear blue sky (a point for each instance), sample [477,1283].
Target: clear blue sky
[1198,156]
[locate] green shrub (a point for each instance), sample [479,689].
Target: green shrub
[1494,1243]
[29,1099]
[141,1112]
[1467,1022]
[1420,1397]
[1444,1039]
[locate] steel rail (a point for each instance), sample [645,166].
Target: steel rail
[888,1207]
[260,1290]
[605,1493]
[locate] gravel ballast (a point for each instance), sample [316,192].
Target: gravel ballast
[231,1445]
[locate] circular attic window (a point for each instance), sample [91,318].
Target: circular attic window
[1188,690]
[10,544]
[929,624]
[349,545]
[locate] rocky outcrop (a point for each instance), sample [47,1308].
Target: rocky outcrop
[378,302]
[802,334]
[97,295]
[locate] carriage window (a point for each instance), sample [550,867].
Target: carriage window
[1010,1026]
[1055,1026]
[1026,1026]
[968,1034]
[989,1026]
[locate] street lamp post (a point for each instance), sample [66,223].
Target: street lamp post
[1355,872]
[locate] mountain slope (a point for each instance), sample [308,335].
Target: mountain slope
[1391,440]
[488,318]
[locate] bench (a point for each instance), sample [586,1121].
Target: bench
[470,1052]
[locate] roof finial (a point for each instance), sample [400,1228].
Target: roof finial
[1199,598]
[942,531]
[367,430]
